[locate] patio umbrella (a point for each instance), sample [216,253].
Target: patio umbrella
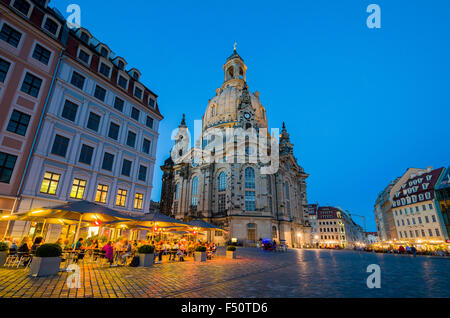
[160,220]
[79,211]
[205,226]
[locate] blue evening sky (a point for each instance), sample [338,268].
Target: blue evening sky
[362,105]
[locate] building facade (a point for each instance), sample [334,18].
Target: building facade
[98,138]
[384,216]
[443,202]
[337,229]
[30,49]
[313,222]
[230,189]
[415,210]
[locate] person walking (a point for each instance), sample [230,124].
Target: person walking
[413,250]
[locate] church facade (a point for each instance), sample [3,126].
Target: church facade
[238,175]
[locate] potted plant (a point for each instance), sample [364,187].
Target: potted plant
[231,252]
[146,255]
[200,254]
[47,260]
[3,253]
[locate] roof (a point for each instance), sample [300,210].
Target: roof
[327,212]
[417,188]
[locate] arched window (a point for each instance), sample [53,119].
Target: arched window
[250,194]
[213,111]
[274,232]
[222,181]
[194,192]
[249,178]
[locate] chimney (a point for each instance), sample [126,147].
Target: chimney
[429,169]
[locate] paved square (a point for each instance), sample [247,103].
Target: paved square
[298,273]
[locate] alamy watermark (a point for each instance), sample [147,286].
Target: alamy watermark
[374,279]
[227,145]
[374,19]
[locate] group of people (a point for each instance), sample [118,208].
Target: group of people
[119,253]
[409,250]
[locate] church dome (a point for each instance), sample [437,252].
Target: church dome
[222,110]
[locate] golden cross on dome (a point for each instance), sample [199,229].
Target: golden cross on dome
[235,46]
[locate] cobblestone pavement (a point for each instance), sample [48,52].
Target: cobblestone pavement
[298,273]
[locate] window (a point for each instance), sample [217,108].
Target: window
[221,208]
[69,111]
[146,146]
[4,68]
[41,54]
[86,154]
[430,206]
[118,104]
[149,122]
[126,167]
[121,197]
[138,92]
[50,183]
[104,52]
[83,56]
[10,35]
[78,80]
[175,207]
[426,219]
[250,201]
[177,191]
[222,181]
[93,121]
[18,123]
[51,26]
[108,161]
[123,82]
[423,233]
[419,219]
[194,192]
[250,198]
[84,37]
[433,218]
[7,163]
[100,93]
[151,102]
[249,178]
[430,232]
[131,139]
[105,69]
[102,193]
[138,200]
[113,131]
[135,113]
[142,173]
[121,65]
[31,85]
[78,188]
[437,232]
[22,6]
[60,146]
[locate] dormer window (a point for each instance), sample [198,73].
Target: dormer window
[104,52]
[84,56]
[51,26]
[23,6]
[428,177]
[84,37]
[428,195]
[121,65]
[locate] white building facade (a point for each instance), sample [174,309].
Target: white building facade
[98,139]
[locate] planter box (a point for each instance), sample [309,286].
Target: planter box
[3,257]
[45,266]
[200,256]
[231,254]
[146,260]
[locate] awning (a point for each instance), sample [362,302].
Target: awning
[205,226]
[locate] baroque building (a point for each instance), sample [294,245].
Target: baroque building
[221,180]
